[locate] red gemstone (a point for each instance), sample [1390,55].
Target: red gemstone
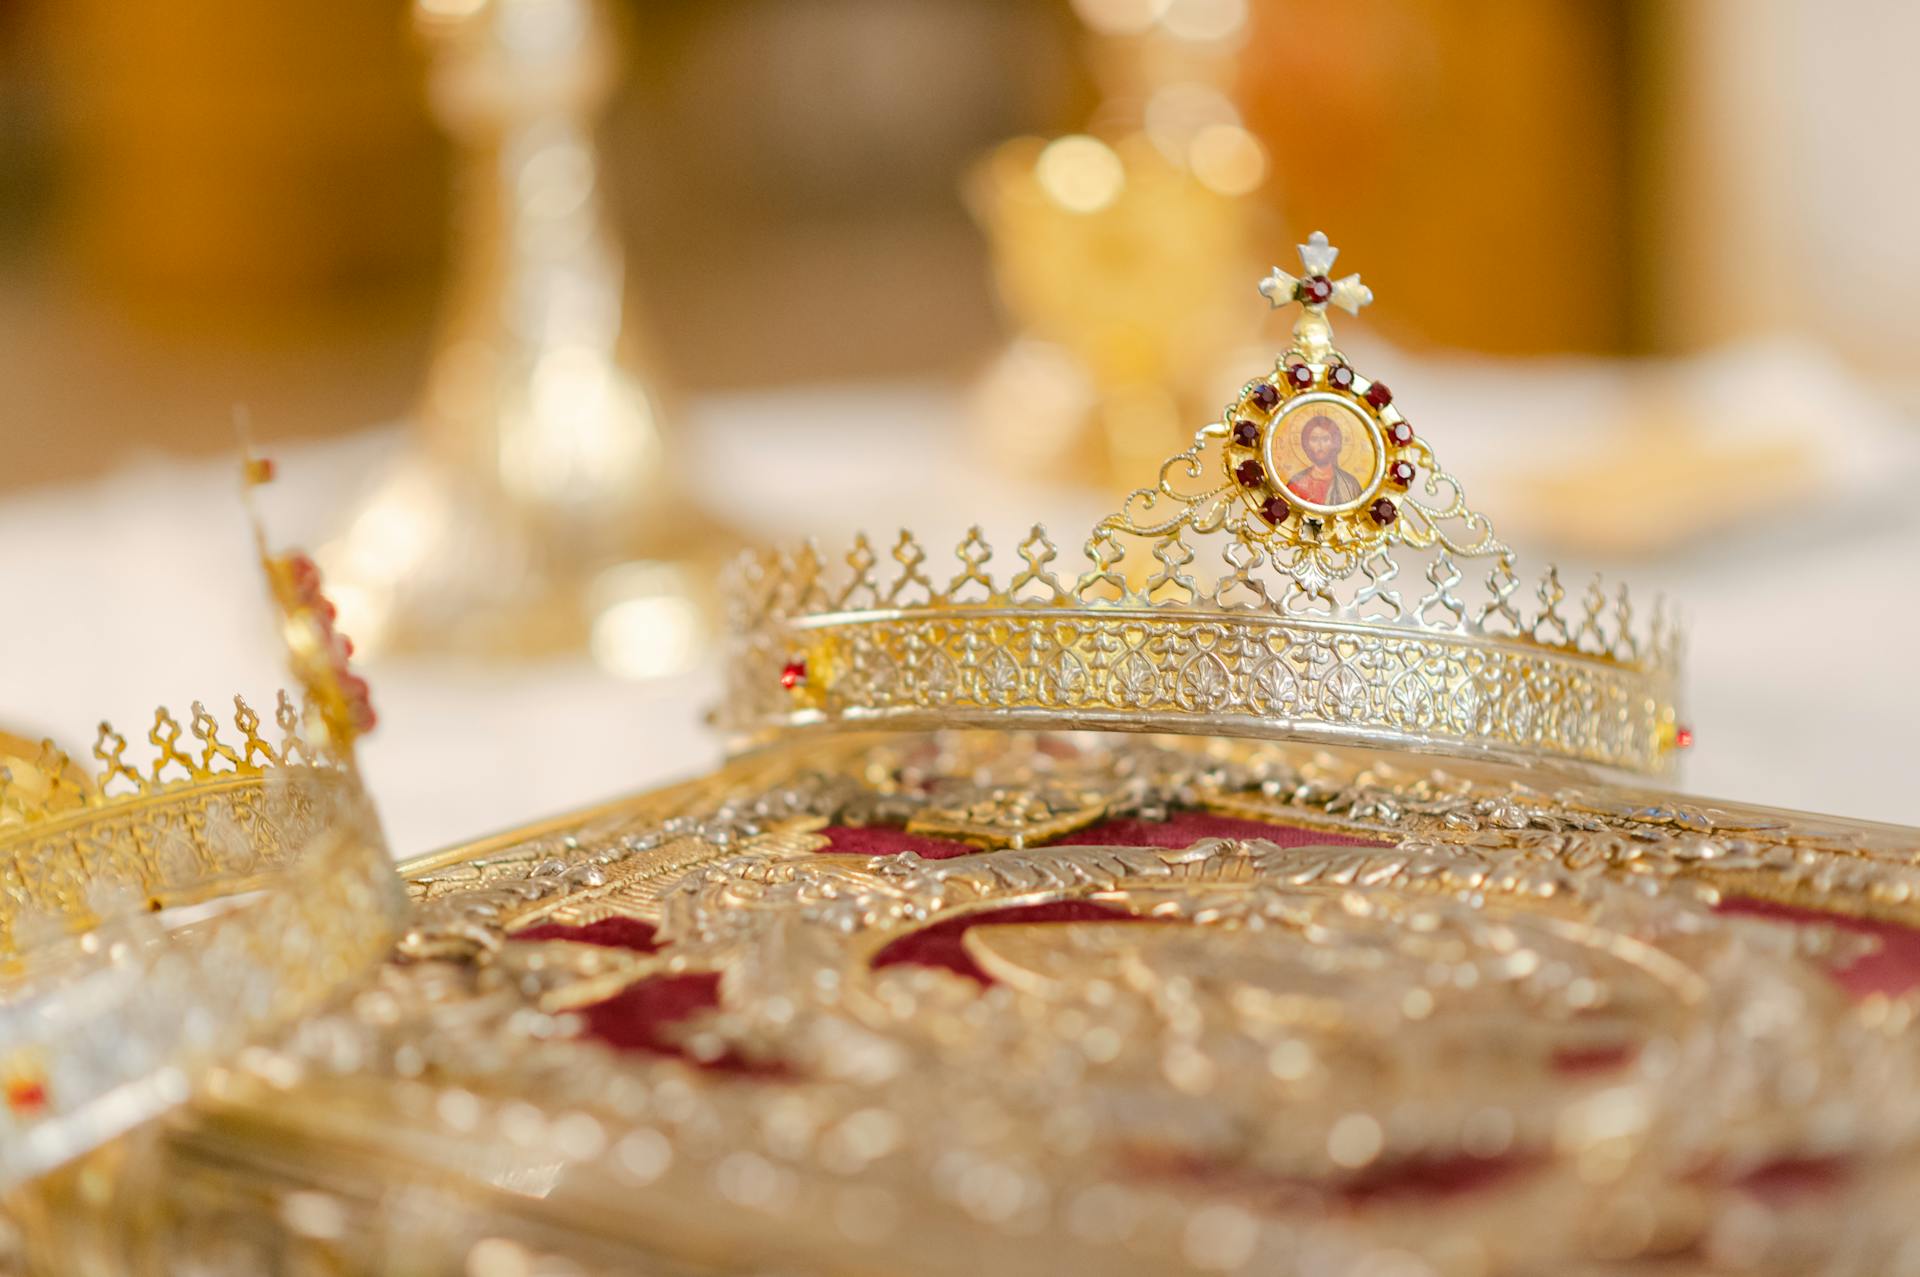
[1250,473]
[1383,511]
[1401,472]
[1246,434]
[304,574]
[1275,511]
[1401,433]
[793,675]
[1300,375]
[1340,377]
[26,1095]
[1266,397]
[1683,738]
[1315,290]
[1378,395]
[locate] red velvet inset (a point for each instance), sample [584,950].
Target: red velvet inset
[614,933]
[1417,1179]
[1778,1183]
[884,840]
[1182,828]
[1431,1178]
[637,1018]
[940,945]
[1574,1060]
[1893,969]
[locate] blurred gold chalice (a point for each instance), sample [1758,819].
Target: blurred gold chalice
[1121,254]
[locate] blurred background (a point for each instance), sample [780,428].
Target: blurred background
[1647,269]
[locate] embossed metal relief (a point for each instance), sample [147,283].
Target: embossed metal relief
[1231,1054]
[1251,676]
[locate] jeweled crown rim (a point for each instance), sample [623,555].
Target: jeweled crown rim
[1299,627]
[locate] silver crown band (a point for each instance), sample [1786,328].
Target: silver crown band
[109,1016]
[1588,692]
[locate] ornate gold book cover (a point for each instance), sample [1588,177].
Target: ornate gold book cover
[1012,1003]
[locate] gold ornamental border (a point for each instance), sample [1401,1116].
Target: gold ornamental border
[111,1014]
[1207,673]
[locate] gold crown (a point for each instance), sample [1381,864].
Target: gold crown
[1301,572]
[108,1012]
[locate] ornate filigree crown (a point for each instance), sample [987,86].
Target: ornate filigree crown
[1306,570]
[108,1014]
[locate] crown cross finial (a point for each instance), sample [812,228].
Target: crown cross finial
[1313,288]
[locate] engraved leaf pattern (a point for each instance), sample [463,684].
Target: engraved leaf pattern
[1274,689]
[1135,680]
[1204,684]
[1065,680]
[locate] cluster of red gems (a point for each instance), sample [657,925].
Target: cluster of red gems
[303,580]
[1265,398]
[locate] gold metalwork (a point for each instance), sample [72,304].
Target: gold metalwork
[1194,612]
[114,1001]
[1217,1073]
[633,888]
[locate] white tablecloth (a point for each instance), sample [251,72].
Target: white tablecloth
[139,588]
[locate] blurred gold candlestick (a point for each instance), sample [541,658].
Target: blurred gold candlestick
[535,509]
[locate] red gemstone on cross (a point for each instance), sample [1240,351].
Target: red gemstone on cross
[1683,738]
[1378,395]
[1315,290]
[1384,512]
[793,675]
[1246,434]
[1300,375]
[1250,473]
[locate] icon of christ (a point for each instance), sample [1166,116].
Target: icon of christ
[1323,482]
